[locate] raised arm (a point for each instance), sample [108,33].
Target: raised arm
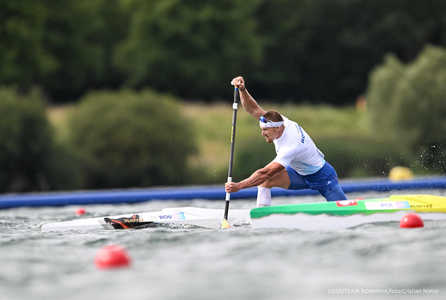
[249,104]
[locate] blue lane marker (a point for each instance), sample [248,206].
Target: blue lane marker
[206,193]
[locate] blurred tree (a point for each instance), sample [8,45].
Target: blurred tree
[421,107]
[323,50]
[30,159]
[81,36]
[415,96]
[310,50]
[190,48]
[64,46]
[130,139]
[380,96]
[23,55]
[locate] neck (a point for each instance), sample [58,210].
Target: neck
[280,132]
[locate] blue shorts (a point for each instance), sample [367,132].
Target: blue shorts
[325,181]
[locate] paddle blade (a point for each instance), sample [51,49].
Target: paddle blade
[225,224]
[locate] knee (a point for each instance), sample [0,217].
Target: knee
[334,194]
[267,184]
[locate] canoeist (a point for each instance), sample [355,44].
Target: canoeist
[299,164]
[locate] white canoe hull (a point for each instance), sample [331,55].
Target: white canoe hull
[202,217]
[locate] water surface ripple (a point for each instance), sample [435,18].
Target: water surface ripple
[381,260]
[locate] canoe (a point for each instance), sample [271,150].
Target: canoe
[333,215]
[348,213]
[177,216]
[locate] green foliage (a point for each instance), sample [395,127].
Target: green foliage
[380,95]
[81,36]
[23,57]
[29,157]
[130,139]
[421,106]
[64,46]
[318,50]
[420,99]
[190,48]
[323,50]
[354,156]
[252,153]
[412,98]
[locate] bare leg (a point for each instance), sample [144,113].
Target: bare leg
[281,179]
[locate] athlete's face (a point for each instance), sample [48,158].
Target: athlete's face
[271,133]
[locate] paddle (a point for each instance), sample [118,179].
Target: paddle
[224,222]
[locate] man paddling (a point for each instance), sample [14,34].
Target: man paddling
[299,164]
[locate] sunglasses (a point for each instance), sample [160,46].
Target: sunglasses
[263,119]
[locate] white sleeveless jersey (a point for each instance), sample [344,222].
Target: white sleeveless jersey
[297,150]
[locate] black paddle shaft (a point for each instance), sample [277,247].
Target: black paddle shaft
[231,155]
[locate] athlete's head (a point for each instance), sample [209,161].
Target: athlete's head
[271,124]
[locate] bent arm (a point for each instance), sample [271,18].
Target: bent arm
[261,175]
[250,105]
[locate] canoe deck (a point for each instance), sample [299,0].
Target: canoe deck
[348,213]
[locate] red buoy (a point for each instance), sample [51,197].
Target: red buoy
[112,256]
[80,211]
[411,221]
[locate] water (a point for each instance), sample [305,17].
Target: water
[371,261]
